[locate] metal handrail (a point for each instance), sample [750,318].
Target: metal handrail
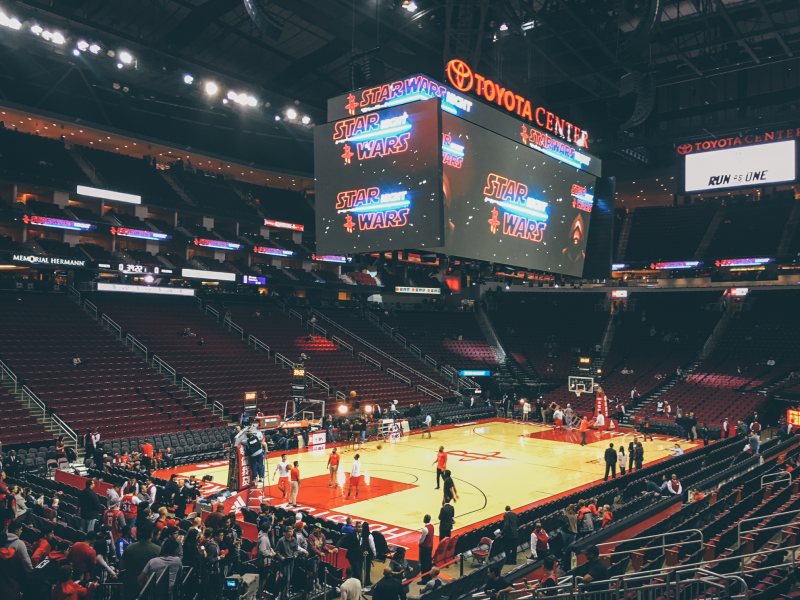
[72,291]
[369,359]
[233,327]
[6,370]
[401,339]
[87,306]
[387,328]
[134,342]
[162,365]
[258,344]
[778,476]
[213,311]
[428,392]
[32,397]
[320,384]
[380,352]
[399,376]
[68,431]
[340,395]
[317,329]
[372,317]
[415,350]
[281,305]
[430,361]
[217,407]
[197,390]
[761,518]
[112,324]
[283,360]
[295,314]
[663,537]
[341,343]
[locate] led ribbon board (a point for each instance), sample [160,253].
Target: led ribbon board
[523,217]
[58,223]
[109,195]
[144,289]
[683,264]
[141,234]
[743,262]
[48,260]
[217,244]
[284,225]
[331,258]
[273,251]
[208,275]
[619,266]
[475,373]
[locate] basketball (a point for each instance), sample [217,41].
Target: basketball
[353,394]
[380,446]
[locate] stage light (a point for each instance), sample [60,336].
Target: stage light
[342,408]
[149,279]
[94,48]
[306,120]
[410,5]
[504,27]
[125,57]
[251,101]
[76,52]
[224,100]
[36,30]
[57,38]
[83,45]
[120,65]
[231,95]
[277,117]
[211,88]
[368,408]
[291,114]
[188,79]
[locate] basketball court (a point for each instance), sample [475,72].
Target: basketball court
[493,464]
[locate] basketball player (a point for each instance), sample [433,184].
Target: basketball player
[584,426]
[295,489]
[558,417]
[355,475]
[450,491]
[283,481]
[333,467]
[441,464]
[426,425]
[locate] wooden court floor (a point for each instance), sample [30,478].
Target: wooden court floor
[493,465]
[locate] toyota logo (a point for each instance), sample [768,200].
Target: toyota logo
[684,148]
[460,75]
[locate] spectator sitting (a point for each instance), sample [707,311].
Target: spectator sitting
[76,361]
[201,342]
[607,515]
[66,589]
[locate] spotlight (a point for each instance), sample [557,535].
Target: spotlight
[12,23]
[188,79]
[277,117]
[251,101]
[306,120]
[231,95]
[211,88]
[94,48]
[504,27]
[342,408]
[291,114]
[125,57]
[120,65]
[224,100]
[149,279]
[83,45]
[57,38]
[410,5]
[76,52]
[37,30]
[368,408]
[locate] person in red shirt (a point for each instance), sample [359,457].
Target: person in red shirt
[333,467]
[127,505]
[584,427]
[147,454]
[294,477]
[114,519]
[66,589]
[82,555]
[41,548]
[607,516]
[441,464]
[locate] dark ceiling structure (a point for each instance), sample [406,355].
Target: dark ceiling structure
[640,75]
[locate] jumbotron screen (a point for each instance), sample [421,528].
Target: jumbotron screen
[379,180]
[506,202]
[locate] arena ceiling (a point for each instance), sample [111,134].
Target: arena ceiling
[640,75]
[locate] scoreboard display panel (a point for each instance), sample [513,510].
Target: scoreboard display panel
[379,180]
[509,203]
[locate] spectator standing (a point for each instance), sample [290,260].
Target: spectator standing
[498,587]
[569,526]
[510,535]
[540,541]
[90,507]
[135,559]
[66,589]
[611,459]
[426,548]
[388,588]
[287,549]
[351,543]
[623,459]
[14,542]
[82,556]
[351,588]
[147,455]
[446,519]
[168,561]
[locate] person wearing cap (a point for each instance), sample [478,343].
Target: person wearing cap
[114,519]
[317,542]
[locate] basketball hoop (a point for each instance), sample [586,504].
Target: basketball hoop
[578,392]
